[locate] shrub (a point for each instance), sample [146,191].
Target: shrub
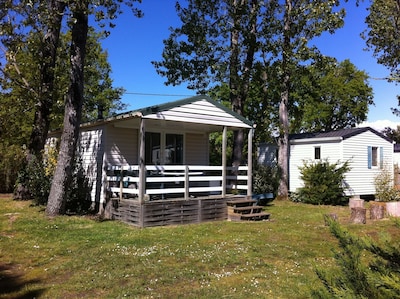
[366,269]
[265,179]
[323,183]
[384,189]
[78,197]
[37,176]
[12,158]
[33,176]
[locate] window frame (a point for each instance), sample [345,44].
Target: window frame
[317,152]
[161,155]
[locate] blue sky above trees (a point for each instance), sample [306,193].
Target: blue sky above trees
[134,43]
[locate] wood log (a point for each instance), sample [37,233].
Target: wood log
[377,211]
[358,215]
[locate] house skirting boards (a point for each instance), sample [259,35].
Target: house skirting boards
[169,212]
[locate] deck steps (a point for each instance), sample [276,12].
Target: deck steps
[255,216]
[248,209]
[245,209]
[240,202]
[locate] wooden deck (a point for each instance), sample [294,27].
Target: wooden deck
[169,212]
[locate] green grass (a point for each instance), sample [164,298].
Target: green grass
[79,257]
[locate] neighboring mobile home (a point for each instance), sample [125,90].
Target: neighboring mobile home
[162,152]
[367,150]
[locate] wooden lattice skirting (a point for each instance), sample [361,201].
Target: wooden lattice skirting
[169,212]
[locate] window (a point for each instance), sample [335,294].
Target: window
[173,149]
[375,157]
[152,148]
[163,148]
[317,153]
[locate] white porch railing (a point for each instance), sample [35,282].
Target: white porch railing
[173,181]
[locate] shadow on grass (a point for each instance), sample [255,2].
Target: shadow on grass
[12,284]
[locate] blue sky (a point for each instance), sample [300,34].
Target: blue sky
[134,43]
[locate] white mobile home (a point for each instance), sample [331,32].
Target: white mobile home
[162,152]
[367,150]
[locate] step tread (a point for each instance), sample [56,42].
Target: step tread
[255,216]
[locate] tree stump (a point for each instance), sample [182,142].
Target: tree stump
[356,202]
[358,215]
[393,208]
[377,211]
[332,216]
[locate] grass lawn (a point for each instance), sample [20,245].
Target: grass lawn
[79,257]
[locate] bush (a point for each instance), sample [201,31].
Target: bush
[12,158]
[33,177]
[78,197]
[384,188]
[323,183]
[37,176]
[265,179]
[366,269]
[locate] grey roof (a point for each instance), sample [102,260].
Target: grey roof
[342,133]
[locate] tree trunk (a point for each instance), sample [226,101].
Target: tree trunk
[234,94]
[239,84]
[72,115]
[45,99]
[283,141]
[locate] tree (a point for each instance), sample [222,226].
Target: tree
[301,22]
[331,97]
[241,42]
[74,99]
[383,35]
[16,127]
[393,134]
[216,45]
[43,18]
[73,111]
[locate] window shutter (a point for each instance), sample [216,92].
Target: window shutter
[369,157]
[381,157]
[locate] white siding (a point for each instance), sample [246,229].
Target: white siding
[121,147]
[305,152]
[360,178]
[91,153]
[196,151]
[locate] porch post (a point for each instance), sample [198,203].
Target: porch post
[142,168]
[224,161]
[250,162]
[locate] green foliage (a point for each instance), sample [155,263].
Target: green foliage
[12,158]
[323,183]
[265,179]
[384,188]
[34,177]
[37,176]
[383,33]
[337,92]
[366,269]
[393,134]
[78,197]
